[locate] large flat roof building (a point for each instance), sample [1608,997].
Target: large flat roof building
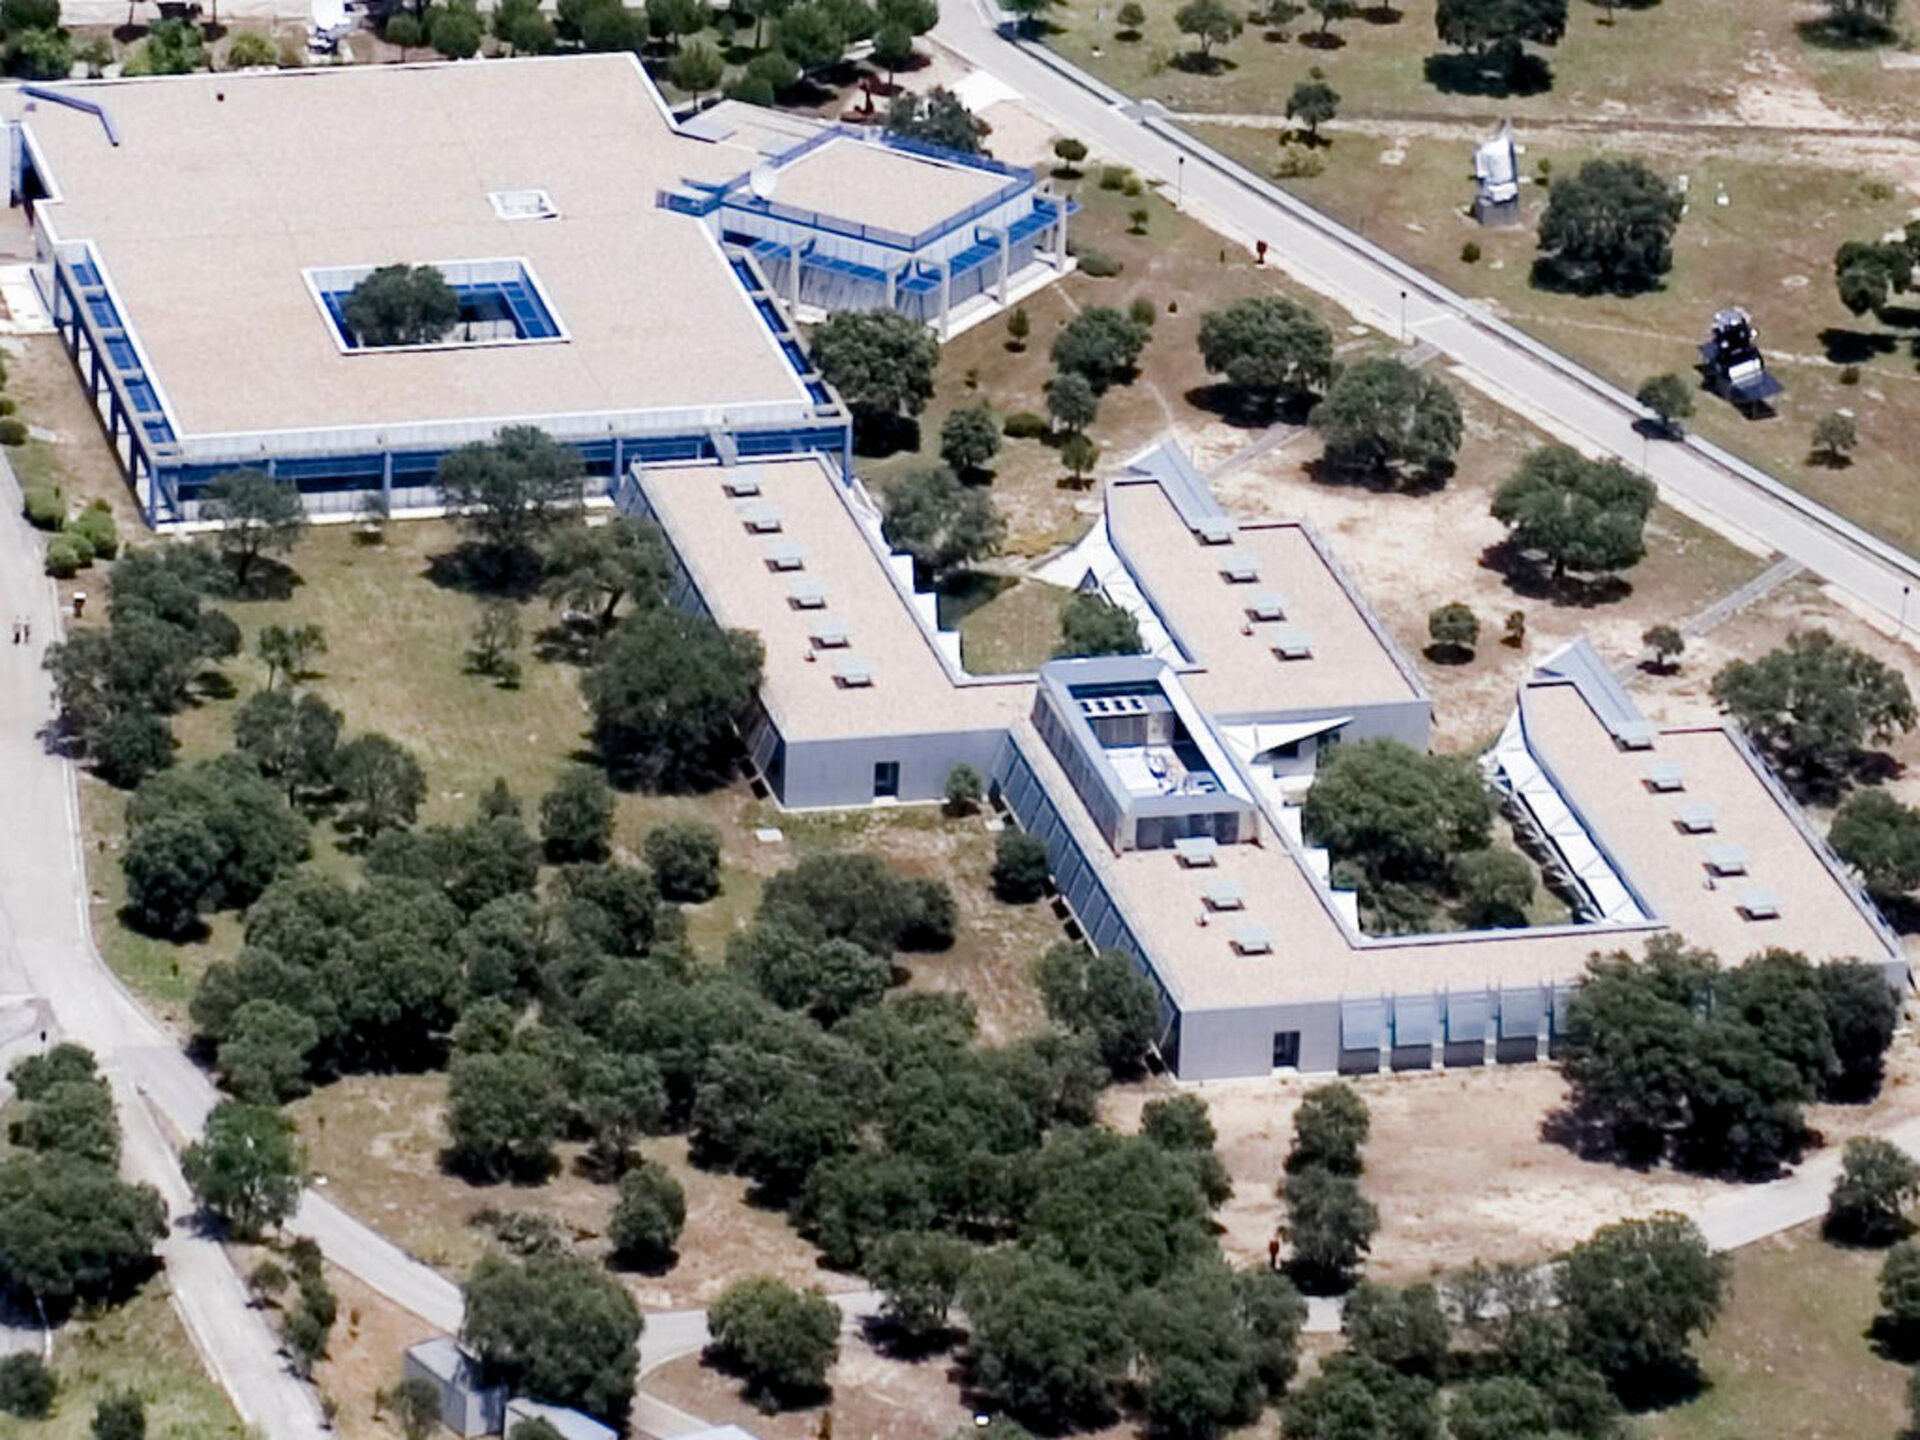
[197,237]
[1166,787]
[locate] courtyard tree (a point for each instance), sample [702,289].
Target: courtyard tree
[1079,454]
[1102,345]
[1666,644]
[810,34]
[1401,1326]
[1314,102]
[1494,888]
[697,69]
[1398,813]
[1608,227]
[778,1339]
[1091,624]
[1385,420]
[1868,20]
[969,438]
[1454,629]
[1102,995]
[1210,23]
[1072,404]
[1861,1015]
[669,20]
[1880,838]
[892,49]
[247,1169]
[509,493]
[1329,1228]
[919,1277]
[292,741]
[1070,153]
[1813,703]
[1669,398]
[556,1327]
[1329,1127]
[455,31]
[380,782]
[504,1113]
[1048,1344]
[1019,327]
[258,516]
[1567,512]
[1021,869]
[965,789]
[287,651]
[647,1216]
[1835,435]
[937,118]
[684,856]
[665,695]
[593,568]
[1495,32]
[943,524]
[1271,349]
[1877,1185]
[401,304]
[1634,1296]
[880,361]
[520,25]
[576,817]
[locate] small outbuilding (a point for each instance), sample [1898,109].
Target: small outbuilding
[571,1424]
[467,1406]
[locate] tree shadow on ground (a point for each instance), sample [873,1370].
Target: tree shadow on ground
[1454,73]
[878,434]
[1323,40]
[1449,654]
[767,1399]
[570,640]
[1593,1139]
[1526,578]
[213,684]
[1380,480]
[1381,14]
[1856,347]
[1826,33]
[896,1343]
[1245,411]
[191,934]
[1193,62]
[524,1174]
[960,594]
[476,569]
[1556,277]
[267,579]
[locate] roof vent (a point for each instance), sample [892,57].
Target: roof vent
[1695,819]
[1225,895]
[829,633]
[1759,904]
[807,595]
[1214,530]
[1253,940]
[761,519]
[1727,859]
[852,674]
[1197,850]
[1293,645]
[1267,605]
[1634,734]
[523,205]
[1665,776]
[786,556]
[741,484]
[1239,567]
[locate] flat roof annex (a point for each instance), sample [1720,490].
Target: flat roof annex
[876,185]
[225,188]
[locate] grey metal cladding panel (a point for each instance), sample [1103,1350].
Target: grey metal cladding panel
[1363,1024]
[1467,1016]
[1562,997]
[1416,1019]
[1522,1013]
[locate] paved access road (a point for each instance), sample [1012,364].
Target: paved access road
[1514,369]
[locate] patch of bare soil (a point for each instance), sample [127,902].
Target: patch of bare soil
[363,1357]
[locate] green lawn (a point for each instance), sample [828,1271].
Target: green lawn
[139,1346]
[1014,627]
[1789,1359]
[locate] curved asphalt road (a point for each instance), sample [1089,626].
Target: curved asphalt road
[1512,368]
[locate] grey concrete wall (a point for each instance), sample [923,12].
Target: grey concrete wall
[1408,721]
[831,773]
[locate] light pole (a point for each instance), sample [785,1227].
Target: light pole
[1905,592]
[1180,182]
[1403,317]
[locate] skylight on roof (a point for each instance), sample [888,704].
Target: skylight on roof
[523,205]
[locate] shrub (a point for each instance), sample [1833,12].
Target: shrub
[1114,177]
[45,508]
[64,556]
[1298,164]
[1020,867]
[965,790]
[1095,263]
[1850,375]
[96,527]
[1142,311]
[1134,186]
[685,858]
[1470,253]
[1024,425]
[13,431]
[252,50]
[27,1387]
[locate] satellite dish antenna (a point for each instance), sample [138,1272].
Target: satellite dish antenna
[761,181]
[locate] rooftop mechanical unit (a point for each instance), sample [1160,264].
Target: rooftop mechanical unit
[1730,358]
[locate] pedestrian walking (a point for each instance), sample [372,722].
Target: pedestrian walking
[16,630]
[26,632]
